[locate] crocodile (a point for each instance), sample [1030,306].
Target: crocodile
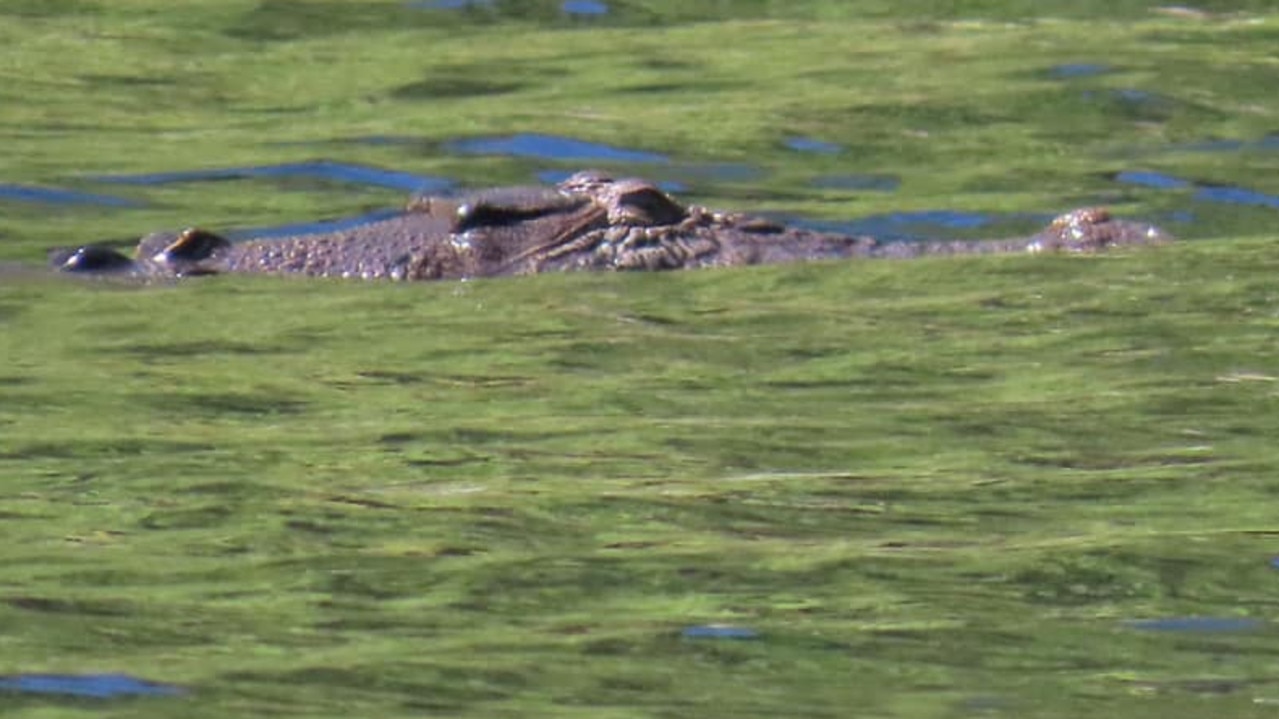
[590,221]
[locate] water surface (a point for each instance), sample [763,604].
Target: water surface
[992,486]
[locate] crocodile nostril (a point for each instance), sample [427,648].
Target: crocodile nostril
[93,258]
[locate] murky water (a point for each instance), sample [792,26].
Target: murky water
[1015,490]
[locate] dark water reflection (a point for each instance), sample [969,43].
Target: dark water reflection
[875,183]
[1198,625]
[570,154]
[1269,142]
[449,4]
[1070,71]
[1203,192]
[718,631]
[588,8]
[809,144]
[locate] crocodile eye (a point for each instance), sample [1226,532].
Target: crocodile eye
[470,215]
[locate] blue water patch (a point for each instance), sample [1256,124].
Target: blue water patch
[809,144]
[1205,193]
[306,228]
[1236,196]
[96,686]
[878,183]
[1157,180]
[322,169]
[718,631]
[1072,70]
[53,196]
[584,7]
[550,147]
[1197,624]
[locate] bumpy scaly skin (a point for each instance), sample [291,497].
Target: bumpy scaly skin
[588,222]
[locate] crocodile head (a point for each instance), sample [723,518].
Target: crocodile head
[590,221]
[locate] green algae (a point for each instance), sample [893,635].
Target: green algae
[937,487]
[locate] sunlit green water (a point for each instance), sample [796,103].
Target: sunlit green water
[934,488]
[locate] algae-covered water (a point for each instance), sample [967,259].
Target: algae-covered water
[1020,486]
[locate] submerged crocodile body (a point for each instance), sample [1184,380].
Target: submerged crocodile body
[588,222]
